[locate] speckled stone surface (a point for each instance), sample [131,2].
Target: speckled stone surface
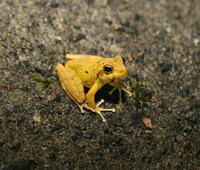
[42,128]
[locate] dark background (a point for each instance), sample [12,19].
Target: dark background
[42,128]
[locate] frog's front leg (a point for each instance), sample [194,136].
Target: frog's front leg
[118,85]
[91,101]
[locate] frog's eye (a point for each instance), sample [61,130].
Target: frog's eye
[108,69]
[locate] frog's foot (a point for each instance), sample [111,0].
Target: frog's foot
[98,110]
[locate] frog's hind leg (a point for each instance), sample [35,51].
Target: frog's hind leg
[72,85]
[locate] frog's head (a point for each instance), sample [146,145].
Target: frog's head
[113,68]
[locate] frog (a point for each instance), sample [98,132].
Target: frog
[93,72]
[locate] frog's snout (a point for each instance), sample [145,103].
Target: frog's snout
[121,73]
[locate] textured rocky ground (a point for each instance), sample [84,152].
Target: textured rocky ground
[40,127]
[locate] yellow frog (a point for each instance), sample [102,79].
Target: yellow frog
[92,72]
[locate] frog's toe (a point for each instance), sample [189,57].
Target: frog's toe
[102,117]
[102,109]
[128,92]
[111,92]
[101,101]
[106,110]
[98,110]
[81,108]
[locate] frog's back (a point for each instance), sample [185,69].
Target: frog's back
[82,56]
[86,69]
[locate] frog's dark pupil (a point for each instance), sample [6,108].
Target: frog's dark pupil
[108,69]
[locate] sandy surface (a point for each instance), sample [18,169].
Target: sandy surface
[40,127]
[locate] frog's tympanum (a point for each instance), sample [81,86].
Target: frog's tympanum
[93,72]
